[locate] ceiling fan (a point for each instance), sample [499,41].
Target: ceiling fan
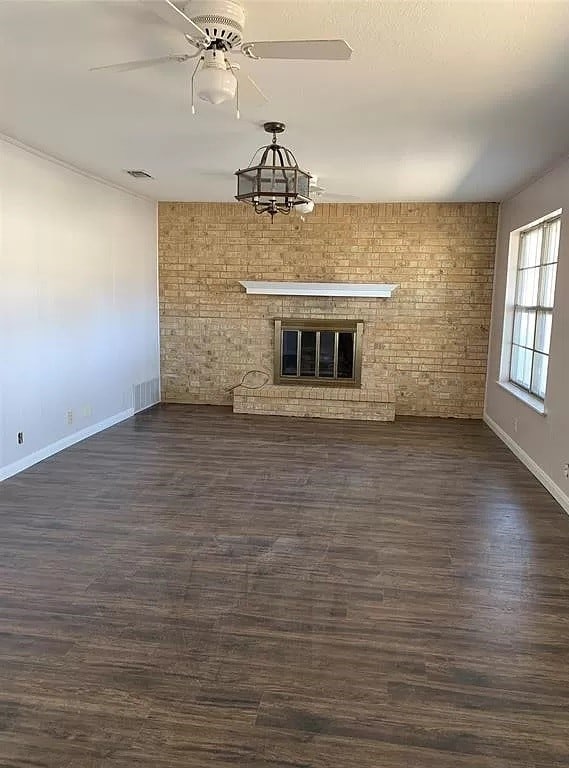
[320,194]
[214,29]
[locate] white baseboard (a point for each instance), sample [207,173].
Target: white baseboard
[33,458]
[558,494]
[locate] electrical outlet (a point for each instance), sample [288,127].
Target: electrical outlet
[20,438]
[87,411]
[515,425]
[70,417]
[566,470]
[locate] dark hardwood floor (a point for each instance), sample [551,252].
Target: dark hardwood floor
[194,588]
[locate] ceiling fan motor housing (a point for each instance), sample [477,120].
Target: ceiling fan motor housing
[222,20]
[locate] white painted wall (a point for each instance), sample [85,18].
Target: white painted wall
[78,304]
[542,441]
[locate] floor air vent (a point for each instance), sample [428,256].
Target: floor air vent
[145,394]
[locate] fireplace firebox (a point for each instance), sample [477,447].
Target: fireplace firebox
[318,352]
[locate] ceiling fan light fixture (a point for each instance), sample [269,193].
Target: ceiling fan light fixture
[273,183]
[216,86]
[216,81]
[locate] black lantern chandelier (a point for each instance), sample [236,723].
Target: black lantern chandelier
[275,183]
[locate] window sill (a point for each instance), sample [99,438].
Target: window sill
[533,402]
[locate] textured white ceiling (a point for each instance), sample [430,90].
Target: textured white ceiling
[441,101]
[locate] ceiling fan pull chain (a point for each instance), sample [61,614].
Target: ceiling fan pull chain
[237,113]
[195,72]
[235,69]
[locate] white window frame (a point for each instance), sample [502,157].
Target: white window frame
[523,394]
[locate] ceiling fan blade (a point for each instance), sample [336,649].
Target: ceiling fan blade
[250,93]
[127,66]
[319,50]
[330,197]
[175,18]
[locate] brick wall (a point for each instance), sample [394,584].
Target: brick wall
[427,345]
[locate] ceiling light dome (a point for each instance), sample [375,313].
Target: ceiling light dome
[216,81]
[273,182]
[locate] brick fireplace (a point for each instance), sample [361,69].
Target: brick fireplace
[423,351]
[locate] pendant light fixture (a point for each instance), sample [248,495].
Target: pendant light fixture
[216,80]
[273,182]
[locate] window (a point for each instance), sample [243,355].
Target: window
[532,311]
[318,352]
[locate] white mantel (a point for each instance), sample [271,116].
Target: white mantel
[354,290]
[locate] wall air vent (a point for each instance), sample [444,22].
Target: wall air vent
[145,394]
[139,174]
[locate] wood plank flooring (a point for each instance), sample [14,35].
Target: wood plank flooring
[197,589]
